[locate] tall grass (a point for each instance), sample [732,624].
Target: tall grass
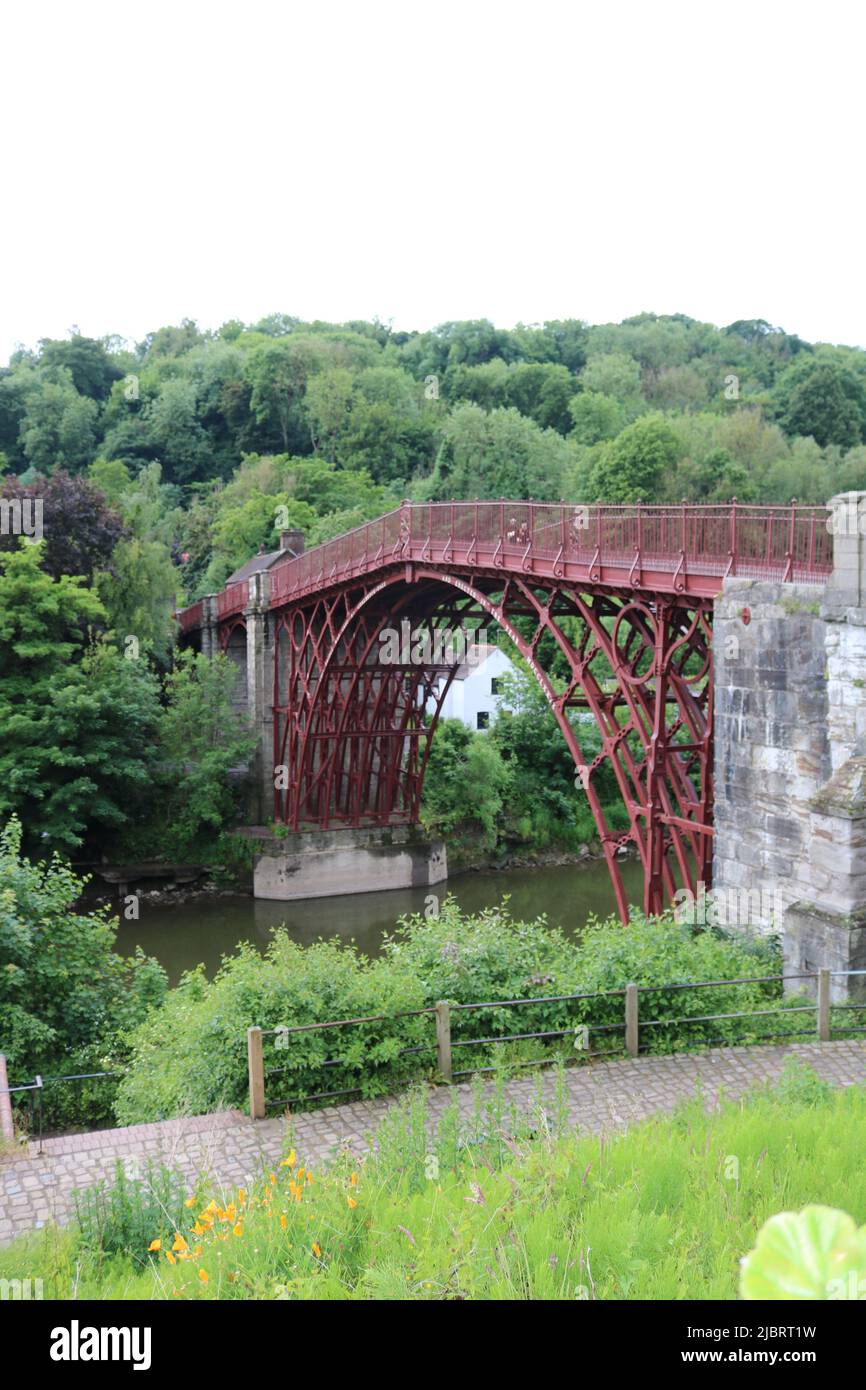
[505,1208]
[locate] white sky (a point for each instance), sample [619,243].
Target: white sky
[424,162]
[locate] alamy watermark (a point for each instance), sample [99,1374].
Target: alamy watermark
[728,907]
[21,516]
[441,646]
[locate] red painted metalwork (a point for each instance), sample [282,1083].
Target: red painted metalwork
[190,619]
[233,599]
[626,595]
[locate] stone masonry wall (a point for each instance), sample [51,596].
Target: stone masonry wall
[772,750]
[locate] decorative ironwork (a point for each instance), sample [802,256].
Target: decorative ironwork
[624,593]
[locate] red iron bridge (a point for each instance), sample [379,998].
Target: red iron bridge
[616,600]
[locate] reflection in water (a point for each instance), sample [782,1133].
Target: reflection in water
[181,937]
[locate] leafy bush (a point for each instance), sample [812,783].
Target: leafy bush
[65,996]
[190,1056]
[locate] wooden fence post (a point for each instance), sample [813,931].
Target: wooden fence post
[443,1038]
[631,1025]
[824,1005]
[7,1124]
[256,1064]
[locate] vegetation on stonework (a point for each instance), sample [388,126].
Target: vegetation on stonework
[189,1056]
[66,998]
[500,1206]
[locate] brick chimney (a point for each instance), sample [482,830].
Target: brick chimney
[292,542]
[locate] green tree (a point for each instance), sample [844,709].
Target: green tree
[595,417]
[634,465]
[500,454]
[203,739]
[58,428]
[465,783]
[139,596]
[829,404]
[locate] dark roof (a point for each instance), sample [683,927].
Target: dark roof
[259,563]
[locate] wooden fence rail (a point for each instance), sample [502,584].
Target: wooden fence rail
[632,1023]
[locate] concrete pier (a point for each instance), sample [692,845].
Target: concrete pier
[328,863]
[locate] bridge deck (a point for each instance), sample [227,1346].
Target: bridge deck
[686,549]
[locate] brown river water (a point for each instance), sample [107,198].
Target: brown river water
[204,930]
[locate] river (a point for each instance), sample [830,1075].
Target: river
[206,929]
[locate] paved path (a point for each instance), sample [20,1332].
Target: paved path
[36,1187]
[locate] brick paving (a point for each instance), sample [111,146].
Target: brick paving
[36,1186]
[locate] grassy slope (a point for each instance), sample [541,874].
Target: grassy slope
[662,1212]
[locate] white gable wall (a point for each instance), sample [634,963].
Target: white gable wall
[472,696]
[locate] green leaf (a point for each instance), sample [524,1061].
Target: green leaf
[810,1254]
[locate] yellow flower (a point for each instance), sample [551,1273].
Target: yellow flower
[198,1229]
[179,1243]
[351,1201]
[170,1257]
[317,1250]
[290,1161]
[239,1228]
[202,1274]
[197,1250]
[155,1245]
[190,1202]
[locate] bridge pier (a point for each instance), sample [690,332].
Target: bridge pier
[790,759]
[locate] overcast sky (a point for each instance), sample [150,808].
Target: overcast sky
[424,162]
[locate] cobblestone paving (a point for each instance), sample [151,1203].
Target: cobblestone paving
[36,1186]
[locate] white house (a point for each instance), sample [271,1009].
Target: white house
[474,692]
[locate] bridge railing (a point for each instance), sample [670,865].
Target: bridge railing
[190,619]
[233,599]
[773,542]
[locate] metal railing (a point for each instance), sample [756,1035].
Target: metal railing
[631,1025]
[34,1091]
[233,600]
[689,547]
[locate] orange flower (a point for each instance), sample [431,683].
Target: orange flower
[239,1228]
[202,1274]
[242,1196]
[317,1250]
[179,1243]
[352,1202]
[154,1245]
[353,1181]
[284,1221]
[170,1257]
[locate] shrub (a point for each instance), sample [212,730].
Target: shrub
[65,996]
[190,1056]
